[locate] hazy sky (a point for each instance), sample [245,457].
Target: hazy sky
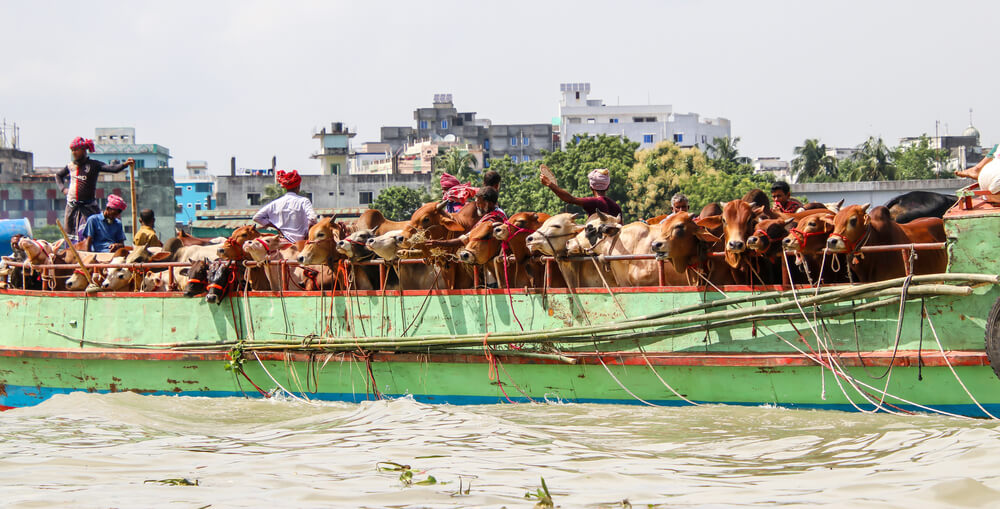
[210,80]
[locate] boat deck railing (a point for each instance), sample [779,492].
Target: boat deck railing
[907,251]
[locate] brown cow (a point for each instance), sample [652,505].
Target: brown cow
[321,248]
[372,219]
[855,227]
[432,222]
[806,239]
[515,231]
[409,276]
[232,248]
[686,245]
[738,220]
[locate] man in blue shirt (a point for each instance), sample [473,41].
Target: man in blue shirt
[104,230]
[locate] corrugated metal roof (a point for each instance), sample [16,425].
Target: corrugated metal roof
[248,213]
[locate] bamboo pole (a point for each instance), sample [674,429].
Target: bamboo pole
[79,259]
[135,204]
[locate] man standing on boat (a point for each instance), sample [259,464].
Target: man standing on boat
[78,181]
[104,231]
[292,214]
[600,181]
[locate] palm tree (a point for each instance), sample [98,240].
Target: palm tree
[724,149]
[874,161]
[459,163]
[272,192]
[812,161]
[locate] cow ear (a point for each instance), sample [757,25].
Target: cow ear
[828,220]
[710,222]
[759,209]
[579,228]
[574,217]
[864,208]
[706,235]
[158,257]
[451,225]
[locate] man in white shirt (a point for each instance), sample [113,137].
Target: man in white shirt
[291,215]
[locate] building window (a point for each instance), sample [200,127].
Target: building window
[704,139]
[178,191]
[365,197]
[197,206]
[444,124]
[486,144]
[678,137]
[253,199]
[513,141]
[422,124]
[591,120]
[220,199]
[139,163]
[578,95]
[334,168]
[188,205]
[613,121]
[513,159]
[179,207]
[524,142]
[190,188]
[526,158]
[647,138]
[203,188]
[1,167]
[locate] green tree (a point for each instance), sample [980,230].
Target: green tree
[874,161]
[667,169]
[459,163]
[272,192]
[582,155]
[920,161]
[398,203]
[812,164]
[725,156]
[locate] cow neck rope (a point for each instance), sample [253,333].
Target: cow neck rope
[852,248]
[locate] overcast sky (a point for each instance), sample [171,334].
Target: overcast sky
[252,79]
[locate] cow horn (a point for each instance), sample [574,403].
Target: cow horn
[441,205]
[864,208]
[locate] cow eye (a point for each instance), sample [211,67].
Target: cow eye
[486,237]
[853,221]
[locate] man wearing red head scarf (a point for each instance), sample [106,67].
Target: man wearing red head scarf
[78,181]
[292,214]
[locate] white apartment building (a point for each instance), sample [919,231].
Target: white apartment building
[782,170]
[646,124]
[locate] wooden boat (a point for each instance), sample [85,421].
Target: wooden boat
[846,347]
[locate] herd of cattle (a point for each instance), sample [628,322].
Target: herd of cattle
[742,242]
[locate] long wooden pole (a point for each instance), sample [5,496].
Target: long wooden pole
[135,204]
[79,260]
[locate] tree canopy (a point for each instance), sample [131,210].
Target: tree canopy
[398,203]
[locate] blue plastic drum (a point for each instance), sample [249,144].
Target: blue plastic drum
[9,228]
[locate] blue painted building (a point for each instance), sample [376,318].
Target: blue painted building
[192,196]
[116,144]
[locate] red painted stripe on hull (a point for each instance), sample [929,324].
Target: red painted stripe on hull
[2,408]
[903,358]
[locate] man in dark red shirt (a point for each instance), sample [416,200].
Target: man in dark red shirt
[78,181]
[782,195]
[600,181]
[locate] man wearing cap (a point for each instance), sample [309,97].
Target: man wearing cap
[292,214]
[104,232]
[600,181]
[78,181]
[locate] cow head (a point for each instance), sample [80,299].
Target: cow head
[520,224]
[809,234]
[433,221]
[77,282]
[768,234]
[118,278]
[321,247]
[37,252]
[481,245]
[679,238]
[218,281]
[387,245]
[197,275]
[355,245]
[849,226]
[232,248]
[552,236]
[738,221]
[598,226]
[260,248]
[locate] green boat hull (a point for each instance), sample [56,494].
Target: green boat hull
[163,344]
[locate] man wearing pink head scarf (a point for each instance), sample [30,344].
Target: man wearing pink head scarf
[78,181]
[600,181]
[104,232]
[455,193]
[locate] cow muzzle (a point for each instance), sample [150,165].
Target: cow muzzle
[836,245]
[736,246]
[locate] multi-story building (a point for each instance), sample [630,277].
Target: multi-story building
[782,170]
[192,196]
[335,148]
[442,122]
[197,170]
[647,124]
[963,151]
[116,144]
